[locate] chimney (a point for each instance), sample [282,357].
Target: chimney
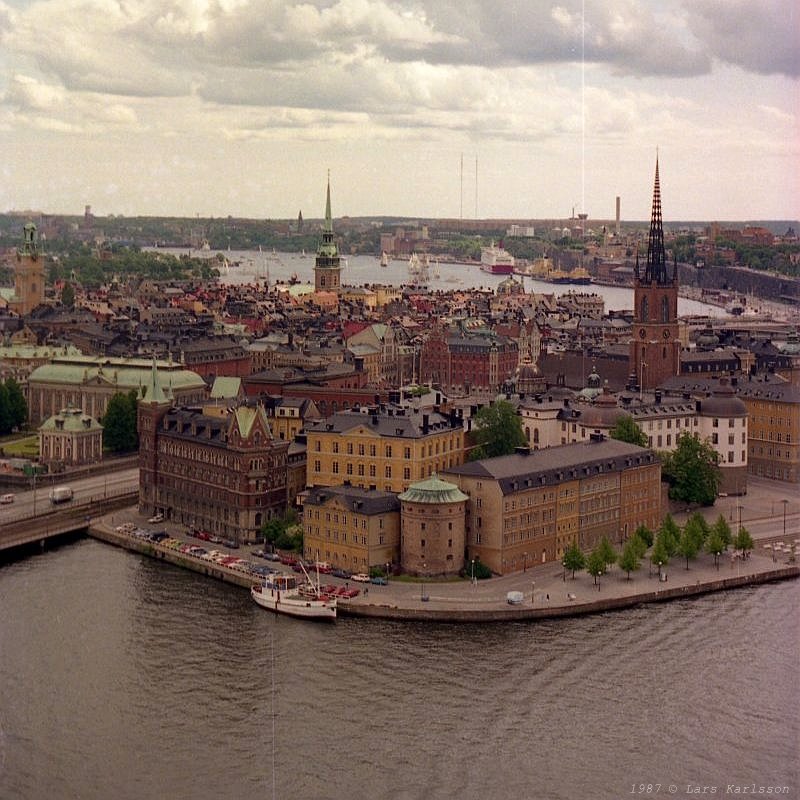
[424,424]
[658,397]
[374,419]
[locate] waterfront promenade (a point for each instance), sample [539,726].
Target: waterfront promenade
[547,590]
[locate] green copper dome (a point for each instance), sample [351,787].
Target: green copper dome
[433,490]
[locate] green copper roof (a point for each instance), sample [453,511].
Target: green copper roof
[433,490]
[70,419]
[246,417]
[152,391]
[327,248]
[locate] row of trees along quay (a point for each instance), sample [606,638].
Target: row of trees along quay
[670,541]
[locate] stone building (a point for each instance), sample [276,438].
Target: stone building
[432,537]
[70,439]
[352,528]
[217,469]
[28,266]
[528,508]
[89,382]
[383,446]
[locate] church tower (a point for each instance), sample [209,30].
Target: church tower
[327,267]
[655,348]
[152,407]
[28,274]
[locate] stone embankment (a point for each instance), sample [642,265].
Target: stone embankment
[546,590]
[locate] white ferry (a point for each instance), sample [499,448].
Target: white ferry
[282,594]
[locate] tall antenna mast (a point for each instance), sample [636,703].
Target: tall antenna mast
[476,187]
[461,210]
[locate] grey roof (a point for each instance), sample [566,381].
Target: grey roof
[554,465]
[362,501]
[392,421]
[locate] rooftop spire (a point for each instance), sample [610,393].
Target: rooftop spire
[656,266]
[152,391]
[328,215]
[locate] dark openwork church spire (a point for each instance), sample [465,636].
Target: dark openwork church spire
[656,266]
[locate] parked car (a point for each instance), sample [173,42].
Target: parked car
[379,580]
[360,577]
[156,518]
[341,573]
[6,499]
[232,543]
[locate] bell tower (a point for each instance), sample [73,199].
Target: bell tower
[655,348]
[28,274]
[328,266]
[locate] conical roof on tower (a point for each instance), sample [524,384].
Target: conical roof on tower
[327,250]
[152,392]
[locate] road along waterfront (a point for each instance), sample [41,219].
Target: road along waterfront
[124,677]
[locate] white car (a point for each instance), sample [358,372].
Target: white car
[6,499]
[156,519]
[360,577]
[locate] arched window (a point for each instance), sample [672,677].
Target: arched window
[536,436]
[665,309]
[645,310]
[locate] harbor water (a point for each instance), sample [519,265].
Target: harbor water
[126,678]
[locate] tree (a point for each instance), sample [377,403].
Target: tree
[5,411]
[669,533]
[68,296]
[574,558]
[692,471]
[629,557]
[659,556]
[497,431]
[715,545]
[275,530]
[607,551]
[119,423]
[688,544]
[17,407]
[698,528]
[639,545]
[743,541]
[595,564]
[722,528]
[626,430]
[645,534]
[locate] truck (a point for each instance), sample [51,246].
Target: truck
[60,494]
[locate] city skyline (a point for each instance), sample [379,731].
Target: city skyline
[428,109]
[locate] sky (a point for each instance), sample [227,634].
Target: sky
[467,109]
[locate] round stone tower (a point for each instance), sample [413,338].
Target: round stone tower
[432,528]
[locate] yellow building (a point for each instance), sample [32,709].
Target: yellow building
[528,508]
[773,407]
[351,528]
[383,447]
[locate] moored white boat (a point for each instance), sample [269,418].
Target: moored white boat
[281,593]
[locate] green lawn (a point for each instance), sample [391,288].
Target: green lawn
[21,446]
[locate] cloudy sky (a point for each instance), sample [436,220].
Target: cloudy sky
[217,107]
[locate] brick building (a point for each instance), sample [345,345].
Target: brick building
[212,468]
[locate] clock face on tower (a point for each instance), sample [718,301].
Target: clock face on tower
[642,333]
[666,333]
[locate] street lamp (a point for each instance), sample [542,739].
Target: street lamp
[564,573]
[387,572]
[785,503]
[422,595]
[659,572]
[524,562]
[599,574]
[472,572]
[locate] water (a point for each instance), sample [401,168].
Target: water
[126,678]
[360,270]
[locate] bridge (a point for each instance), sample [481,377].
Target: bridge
[58,521]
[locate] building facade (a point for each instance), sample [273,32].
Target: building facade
[352,528]
[219,470]
[528,508]
[382,447]
[70,439]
